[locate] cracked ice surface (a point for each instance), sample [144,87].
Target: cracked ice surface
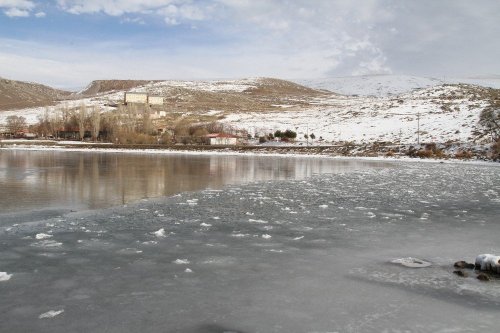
[314,256]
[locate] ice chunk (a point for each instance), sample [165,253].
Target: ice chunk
[239,235]
[160,233]
[4,276]
[205,224]
[47,243]
[42,236]
[488,262]
[188,270]
[411,262]
[323,206]
[266,236]
[181,262]
[256,221]
[50,314]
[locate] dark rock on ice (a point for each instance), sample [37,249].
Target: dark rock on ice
[483,277]
[463,264]
[461,273]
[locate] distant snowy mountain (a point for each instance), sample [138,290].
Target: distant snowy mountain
[390,85]
[371,85]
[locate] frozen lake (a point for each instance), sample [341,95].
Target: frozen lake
[243,244]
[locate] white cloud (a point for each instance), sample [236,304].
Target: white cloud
[174,12]
[289,39]
[40,14]
[16,12]
[17,8]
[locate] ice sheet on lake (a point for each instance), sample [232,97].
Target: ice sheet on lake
[259,261]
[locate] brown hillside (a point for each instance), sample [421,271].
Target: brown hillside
[103,86]
[18,95]
[265,95]
[280,88]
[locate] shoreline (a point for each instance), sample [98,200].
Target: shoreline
[284,151]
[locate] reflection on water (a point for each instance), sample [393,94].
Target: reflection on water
[80,180]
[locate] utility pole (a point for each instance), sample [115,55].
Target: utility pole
[418,127]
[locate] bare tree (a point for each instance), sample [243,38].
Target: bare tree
[16,124]
[489,119]
[95,120]
[146,120]
[82,116]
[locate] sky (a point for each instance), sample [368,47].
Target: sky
[68,43]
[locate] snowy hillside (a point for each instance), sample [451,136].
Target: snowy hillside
[387,85]
[442,113]
[437,113]
[370,85]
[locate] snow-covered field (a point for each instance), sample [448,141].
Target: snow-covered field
[369,119]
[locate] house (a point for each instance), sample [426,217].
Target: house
[222,139]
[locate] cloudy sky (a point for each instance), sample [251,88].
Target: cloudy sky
[68,43]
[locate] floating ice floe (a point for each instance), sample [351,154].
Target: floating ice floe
[160,233]
[130,250]
[323,206]
[4,276]
[488,262]
[256,221]
[50,314]
[266,236]
[42,236]
[181,262]
[411,262]
[298,238]
[47,243]
[192,202]
[205,225]
[188,270]
[240,235]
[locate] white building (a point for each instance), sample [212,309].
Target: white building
[222,139]
[140,98]
[155,100]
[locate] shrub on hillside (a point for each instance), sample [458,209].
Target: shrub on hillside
[495,148]
[463,154]
[424,153]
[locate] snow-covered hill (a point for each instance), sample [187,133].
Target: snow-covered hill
[371,85]
[389,85]
[423,109]
[437,114]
